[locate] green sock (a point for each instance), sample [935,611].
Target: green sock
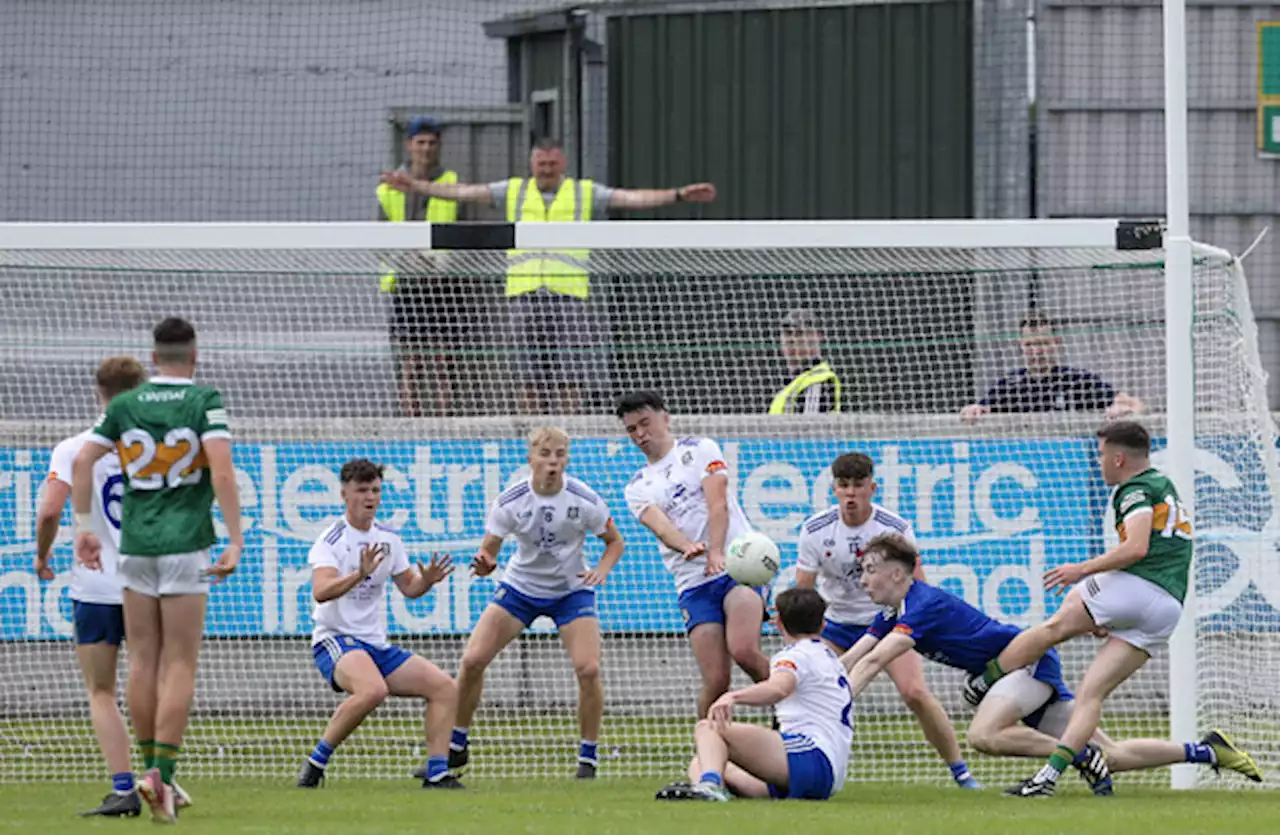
[148,749]
[166,761]
[1062,758]
[994,672]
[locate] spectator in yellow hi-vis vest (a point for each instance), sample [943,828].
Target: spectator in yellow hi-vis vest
[559,350]
[428,309]
[814,386]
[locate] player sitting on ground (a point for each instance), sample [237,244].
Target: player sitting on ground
[1134,592]
[549,514]
[174,446]
[351,562]
[810,756]
[950,631]
[682,495]
[830,555]
[96,596]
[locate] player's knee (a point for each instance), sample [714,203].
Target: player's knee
[982,738]
[744,649]
[473,663]
[587,670]
[915,695]
[445,691]
[704,726]
[368,697]
[716,680]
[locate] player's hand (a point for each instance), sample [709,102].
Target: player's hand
[1063,577]
[436,570]
[89,550]
[694,550]
[715,563]
[697,193]
[482,565]
[398,180]
[226,564]
[721,710]
[371,556]
[975,689]
[42,569]
[594,577]
[972,412]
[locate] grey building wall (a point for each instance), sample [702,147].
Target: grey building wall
[1101,128]
[144,110]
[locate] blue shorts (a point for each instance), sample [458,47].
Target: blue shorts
[1049,670]
[843,635]
[705,603]
[98,623]
[562,610]
[809,775]
[328,651]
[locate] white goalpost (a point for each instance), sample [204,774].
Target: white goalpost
[918,317]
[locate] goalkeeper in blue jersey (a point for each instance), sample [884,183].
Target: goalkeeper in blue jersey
[948,630]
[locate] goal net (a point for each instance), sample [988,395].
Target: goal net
[919,320]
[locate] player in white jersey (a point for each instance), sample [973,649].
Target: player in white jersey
[350,565]
[549,514]
[830,555]
[96,599]
[683,496]
[808,759]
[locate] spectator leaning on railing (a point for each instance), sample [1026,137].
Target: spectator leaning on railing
[559,352]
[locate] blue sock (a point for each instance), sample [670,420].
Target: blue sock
[437,767]
[1196,752]
[122,782]
[587,752]
[960,771]
[711,777]
[320,756]
[458,741]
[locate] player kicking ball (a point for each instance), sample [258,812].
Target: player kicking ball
[351,563]
[550,515]
[808,759]
[682,495]
[1133,593]
[945,628]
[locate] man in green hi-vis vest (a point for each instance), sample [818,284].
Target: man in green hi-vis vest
[814,387]
[559,352]
[429,310]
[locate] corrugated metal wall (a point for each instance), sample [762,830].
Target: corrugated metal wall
[858,111]
[1101,128]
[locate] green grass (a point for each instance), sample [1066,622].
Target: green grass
[627,806]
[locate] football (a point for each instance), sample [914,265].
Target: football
[752,559]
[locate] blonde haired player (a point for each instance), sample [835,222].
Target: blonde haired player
[549,514]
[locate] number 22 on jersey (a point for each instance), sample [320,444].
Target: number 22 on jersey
[178,462]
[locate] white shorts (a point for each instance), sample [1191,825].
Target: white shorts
[1032,695]
[1135,610]
[166,576]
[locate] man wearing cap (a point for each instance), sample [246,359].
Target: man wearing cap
[814,386]
[559,354]
[427,309]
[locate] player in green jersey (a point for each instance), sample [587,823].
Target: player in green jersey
[174,447]
[1131,595]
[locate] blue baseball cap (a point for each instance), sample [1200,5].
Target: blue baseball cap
[422,124]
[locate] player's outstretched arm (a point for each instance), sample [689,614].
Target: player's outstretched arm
[859,650]
[613,547]
[462,192]
[223,476]
[486,558]
[780,684]
[327,584]
[88,548]
[1137,542]
[47,518]
[865,671]
[667,532]
[414,583]
[715,488]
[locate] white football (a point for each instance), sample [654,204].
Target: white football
[752,559]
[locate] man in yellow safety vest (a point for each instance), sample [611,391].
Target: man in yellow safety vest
[428,310]
[559,350]
[814,387]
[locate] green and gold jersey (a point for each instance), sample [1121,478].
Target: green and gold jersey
[158,430]
[1168,559]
